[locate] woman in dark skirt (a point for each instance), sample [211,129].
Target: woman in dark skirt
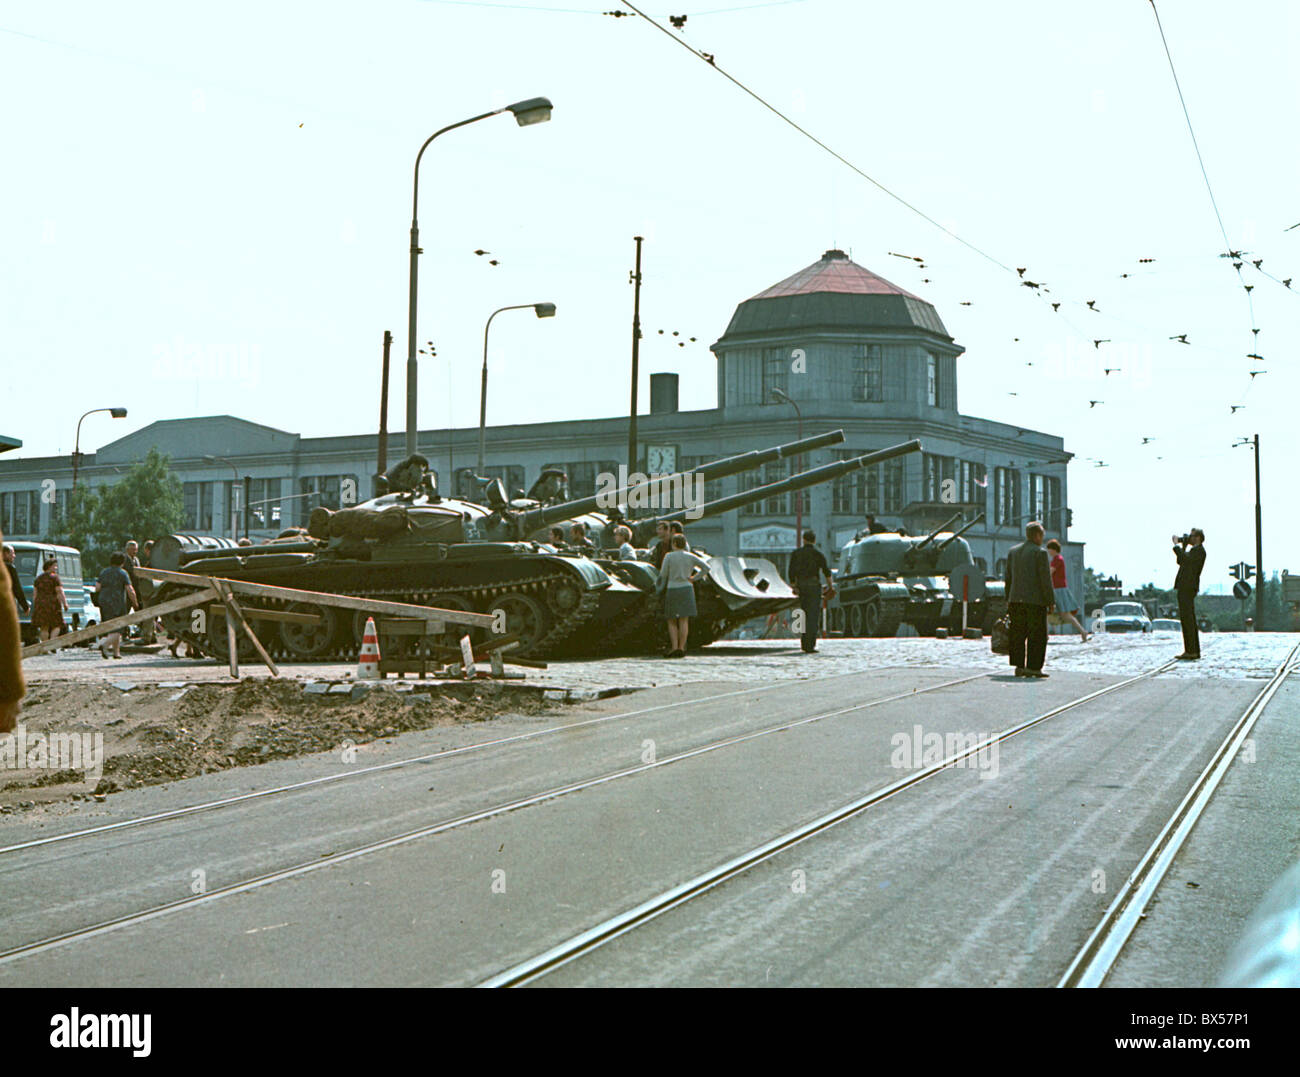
[115,597]
[48,602]
[677,582]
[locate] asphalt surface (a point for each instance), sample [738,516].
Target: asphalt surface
[988,874]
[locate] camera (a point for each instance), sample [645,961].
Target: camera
[1182,540]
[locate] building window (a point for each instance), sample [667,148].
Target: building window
[198,506]
[776,373]
[891,497]
[1006,496]
[511,476]
[1045,501]
[868,374]
[773,471]
[931,379]
[20,512]
[582,475]
[263,506]
[936,471]
[328,491]
[973,483]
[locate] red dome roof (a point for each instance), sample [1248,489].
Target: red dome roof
[834,272]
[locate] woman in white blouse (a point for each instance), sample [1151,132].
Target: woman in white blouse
[676,579]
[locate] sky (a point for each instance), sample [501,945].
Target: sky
[205,210]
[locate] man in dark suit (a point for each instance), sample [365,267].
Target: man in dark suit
[1190,551]
[1030,599]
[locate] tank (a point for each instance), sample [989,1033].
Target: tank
[887,579]
[410,545]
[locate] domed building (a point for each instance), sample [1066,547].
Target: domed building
[837,346]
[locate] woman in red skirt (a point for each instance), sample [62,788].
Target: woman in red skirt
[48,602]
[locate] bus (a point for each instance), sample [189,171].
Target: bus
[29,560]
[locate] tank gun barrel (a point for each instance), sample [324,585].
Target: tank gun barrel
[825,473]
[758,457]
[730,465]
[958,533]
[931,536]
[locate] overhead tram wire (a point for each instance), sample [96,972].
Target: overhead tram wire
[708,59]
[1228,248]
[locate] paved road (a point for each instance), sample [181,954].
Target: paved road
[986,875]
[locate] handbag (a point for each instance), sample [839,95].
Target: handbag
[1000,637]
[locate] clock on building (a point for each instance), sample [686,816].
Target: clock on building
[660,459]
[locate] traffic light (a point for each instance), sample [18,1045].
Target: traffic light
[1069,517]
[1241,571]
[1235,571]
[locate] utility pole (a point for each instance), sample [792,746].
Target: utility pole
[383,407]
[635,278]
[1259,550]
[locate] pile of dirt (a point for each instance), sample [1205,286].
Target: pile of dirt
[155,735]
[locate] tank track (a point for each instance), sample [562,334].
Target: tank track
[478,598]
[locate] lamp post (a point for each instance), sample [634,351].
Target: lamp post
[234,525]
[543,310]
[784,397]
[1259,538]
[526,113]
[117,413]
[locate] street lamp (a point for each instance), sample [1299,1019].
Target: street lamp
[543,310]
[234,525]
[117,413]
[784,397]
[526,113]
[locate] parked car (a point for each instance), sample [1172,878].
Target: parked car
[90,608]
[1165,624]
[1125,617]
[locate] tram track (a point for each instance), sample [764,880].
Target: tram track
[586,942]
[1098,955]
[442,826]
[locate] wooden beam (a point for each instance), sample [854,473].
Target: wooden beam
[255,614]
[71,639]
[348,602]
[237,616]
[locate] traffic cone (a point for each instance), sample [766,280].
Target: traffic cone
[368,659]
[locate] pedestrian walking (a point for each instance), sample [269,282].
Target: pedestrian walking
[12,688]
[807,566]
[1066,605]
[1030,599]
[15,584]
[49,602]
[1189,549]
[115,597]
[677,577]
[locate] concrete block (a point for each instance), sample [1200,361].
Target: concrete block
[940,633]
[974,633]
[340,689]
[316,688]
[359,692]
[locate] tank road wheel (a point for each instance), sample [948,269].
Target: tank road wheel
[215,642]
[855,620]
[525,617]
[309,641]
[563,596]
[870,618]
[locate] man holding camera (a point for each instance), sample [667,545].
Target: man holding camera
[1190,551]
